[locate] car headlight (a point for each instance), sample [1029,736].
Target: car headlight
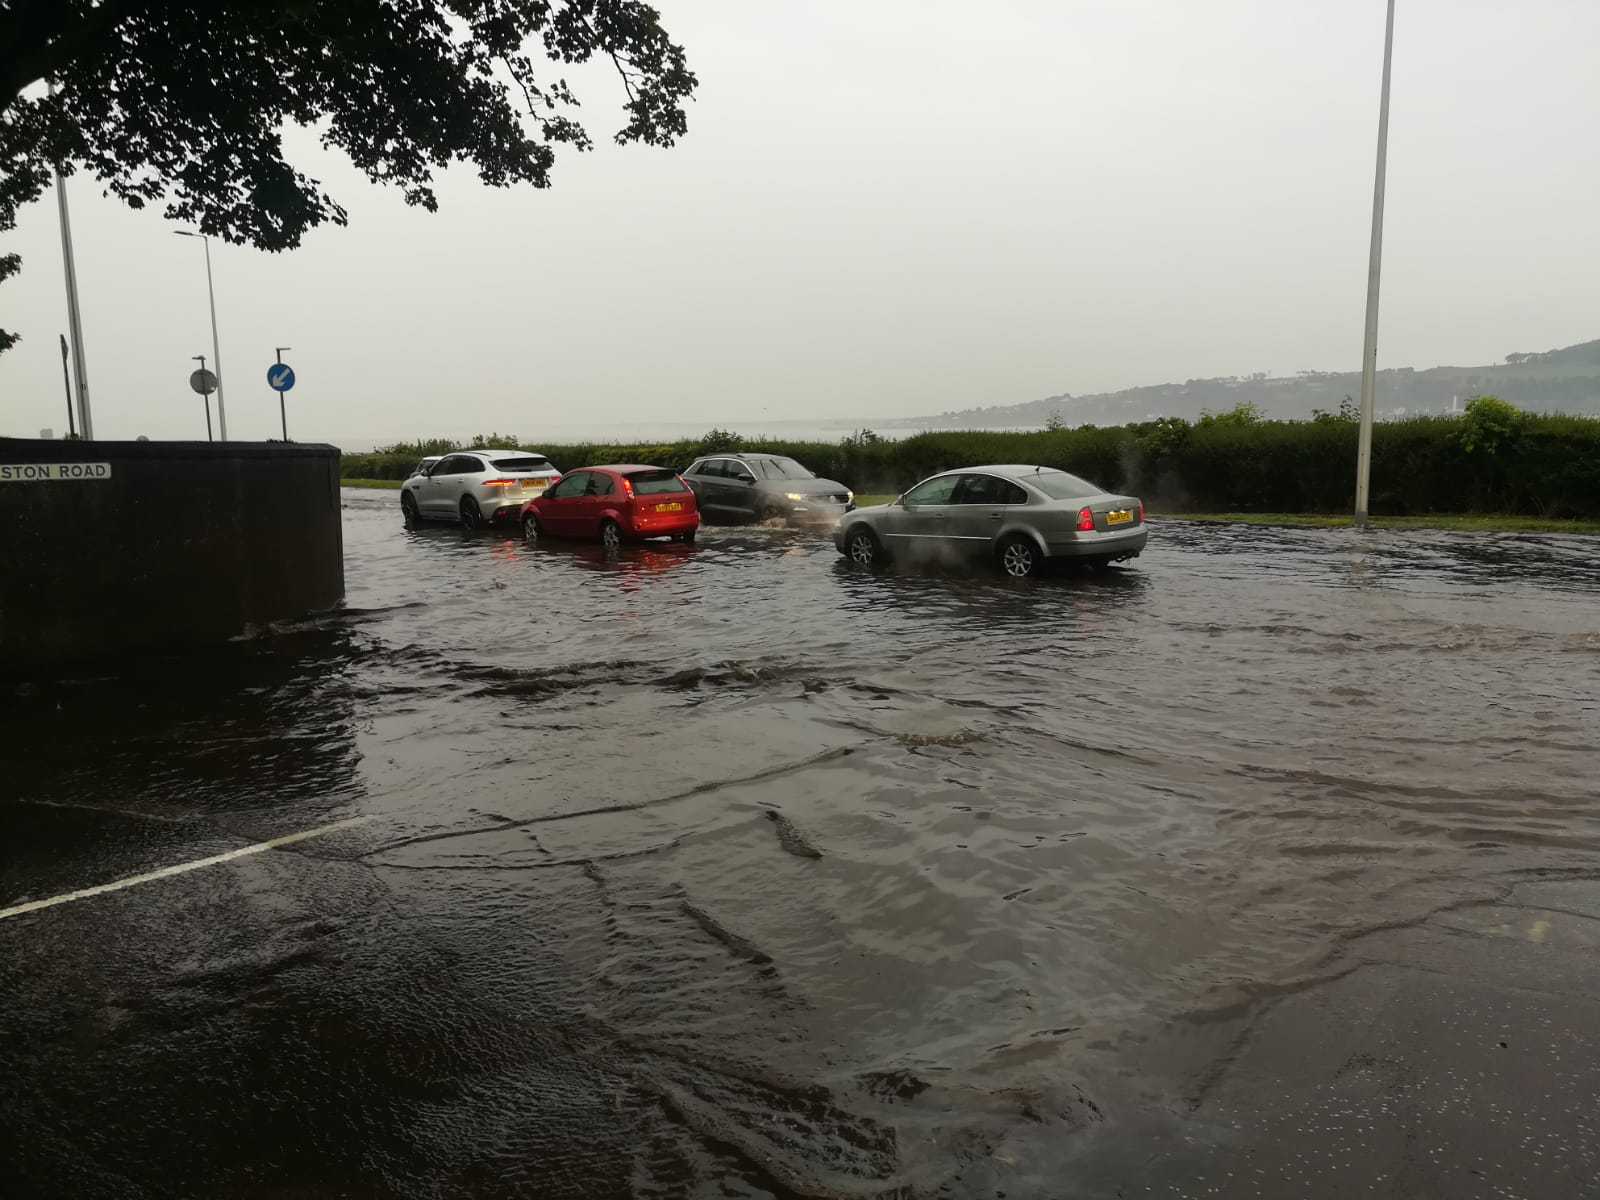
[849,497]
[797,495]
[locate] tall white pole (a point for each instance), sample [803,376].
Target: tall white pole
[74,318]
[216,346]
[1369,351]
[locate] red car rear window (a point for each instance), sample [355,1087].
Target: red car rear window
[654,483]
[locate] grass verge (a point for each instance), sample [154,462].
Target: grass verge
[371,483]
[1465,521]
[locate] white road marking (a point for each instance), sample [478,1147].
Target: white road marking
[273,844]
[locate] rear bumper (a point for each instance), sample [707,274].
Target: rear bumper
[663,524]
[503,511]
[1097,545]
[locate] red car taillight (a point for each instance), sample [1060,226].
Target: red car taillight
[500,482]
[627,488]
[1141,512]
[1085,521]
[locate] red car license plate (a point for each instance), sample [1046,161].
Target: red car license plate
[669,507]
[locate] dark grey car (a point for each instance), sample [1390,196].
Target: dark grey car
[1019,516]
[732,488]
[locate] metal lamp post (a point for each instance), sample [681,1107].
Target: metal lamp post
[283,414]
[199,382]
[66,382]
[216,346]
[1369,350]
[74,318]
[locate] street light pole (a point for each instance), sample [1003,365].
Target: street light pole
[216,345]
[74,318]
[1369,350]
[205,397]
[283,414]
[66,382]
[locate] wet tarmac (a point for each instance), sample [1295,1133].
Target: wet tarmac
[1269,866]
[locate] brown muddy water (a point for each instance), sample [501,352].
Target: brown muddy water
[728,870]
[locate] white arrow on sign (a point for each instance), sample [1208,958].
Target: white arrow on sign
[278,379]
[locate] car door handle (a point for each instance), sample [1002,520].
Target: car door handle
[997,516]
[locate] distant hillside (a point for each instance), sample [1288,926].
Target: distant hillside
[1566,380]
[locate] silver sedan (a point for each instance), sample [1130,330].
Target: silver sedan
[1019,516]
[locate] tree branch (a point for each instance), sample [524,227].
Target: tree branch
[527,96]
[627,81]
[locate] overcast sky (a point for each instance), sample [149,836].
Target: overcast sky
[894,208]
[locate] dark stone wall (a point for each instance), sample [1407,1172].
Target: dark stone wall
[180,543]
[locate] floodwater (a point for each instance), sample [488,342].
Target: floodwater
[729,870]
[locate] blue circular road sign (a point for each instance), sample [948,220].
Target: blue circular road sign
[280,378]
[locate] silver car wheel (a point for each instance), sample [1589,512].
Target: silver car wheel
[1018,559]
[530,528]
[610,535]
[471,518]
[863,548]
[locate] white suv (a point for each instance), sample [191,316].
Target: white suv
[476,487]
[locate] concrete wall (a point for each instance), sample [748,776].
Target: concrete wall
[154,544]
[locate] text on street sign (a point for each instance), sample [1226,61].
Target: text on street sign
[40,472]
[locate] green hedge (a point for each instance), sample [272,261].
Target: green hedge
[1547,466]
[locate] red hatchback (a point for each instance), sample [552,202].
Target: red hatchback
[615,504]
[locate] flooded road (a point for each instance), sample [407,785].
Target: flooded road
[1263,867]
